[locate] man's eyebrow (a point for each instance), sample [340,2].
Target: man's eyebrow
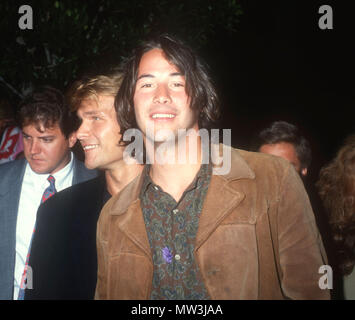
[176,74]
[145,75]
[148,75]
[93,113]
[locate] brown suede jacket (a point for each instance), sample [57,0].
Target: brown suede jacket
[257,237]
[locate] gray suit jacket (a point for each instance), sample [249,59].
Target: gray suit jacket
[11,177]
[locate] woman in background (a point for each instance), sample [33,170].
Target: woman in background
[336,186]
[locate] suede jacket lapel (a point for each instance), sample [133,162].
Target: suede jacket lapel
[132,222]
[221,199]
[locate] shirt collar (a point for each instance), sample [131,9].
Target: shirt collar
[59,176]
[63,173]
[202,174]
[146,178]
[240,169]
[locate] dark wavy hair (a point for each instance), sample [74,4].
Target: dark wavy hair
[336,187]
[199,86]
[282,131]
[46,106]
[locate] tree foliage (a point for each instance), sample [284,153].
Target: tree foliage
[71,37]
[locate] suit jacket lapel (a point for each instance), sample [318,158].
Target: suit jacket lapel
[13,179]
[10,196]
[9,200]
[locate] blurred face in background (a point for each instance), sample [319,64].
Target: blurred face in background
[287,151]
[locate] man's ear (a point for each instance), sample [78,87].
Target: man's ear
[72,139]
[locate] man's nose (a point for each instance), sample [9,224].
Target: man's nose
[162,94]
[35,147]
[82,131]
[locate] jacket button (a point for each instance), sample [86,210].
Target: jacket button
[177,257]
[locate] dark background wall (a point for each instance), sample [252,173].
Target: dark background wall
[281,66]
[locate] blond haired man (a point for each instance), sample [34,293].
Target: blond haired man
[71,217]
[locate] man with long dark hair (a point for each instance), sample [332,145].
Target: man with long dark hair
[185,229]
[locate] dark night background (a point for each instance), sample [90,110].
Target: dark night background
[275,63]
[280,66]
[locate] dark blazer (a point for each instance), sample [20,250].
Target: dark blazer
[63,254]
[11,177]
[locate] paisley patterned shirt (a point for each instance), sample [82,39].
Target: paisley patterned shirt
[171,228]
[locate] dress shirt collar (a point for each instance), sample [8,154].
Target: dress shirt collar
[60,176]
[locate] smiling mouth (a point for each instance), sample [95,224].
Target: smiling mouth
[90,147]
[163,116]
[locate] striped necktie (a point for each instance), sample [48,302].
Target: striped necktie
[48,192]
